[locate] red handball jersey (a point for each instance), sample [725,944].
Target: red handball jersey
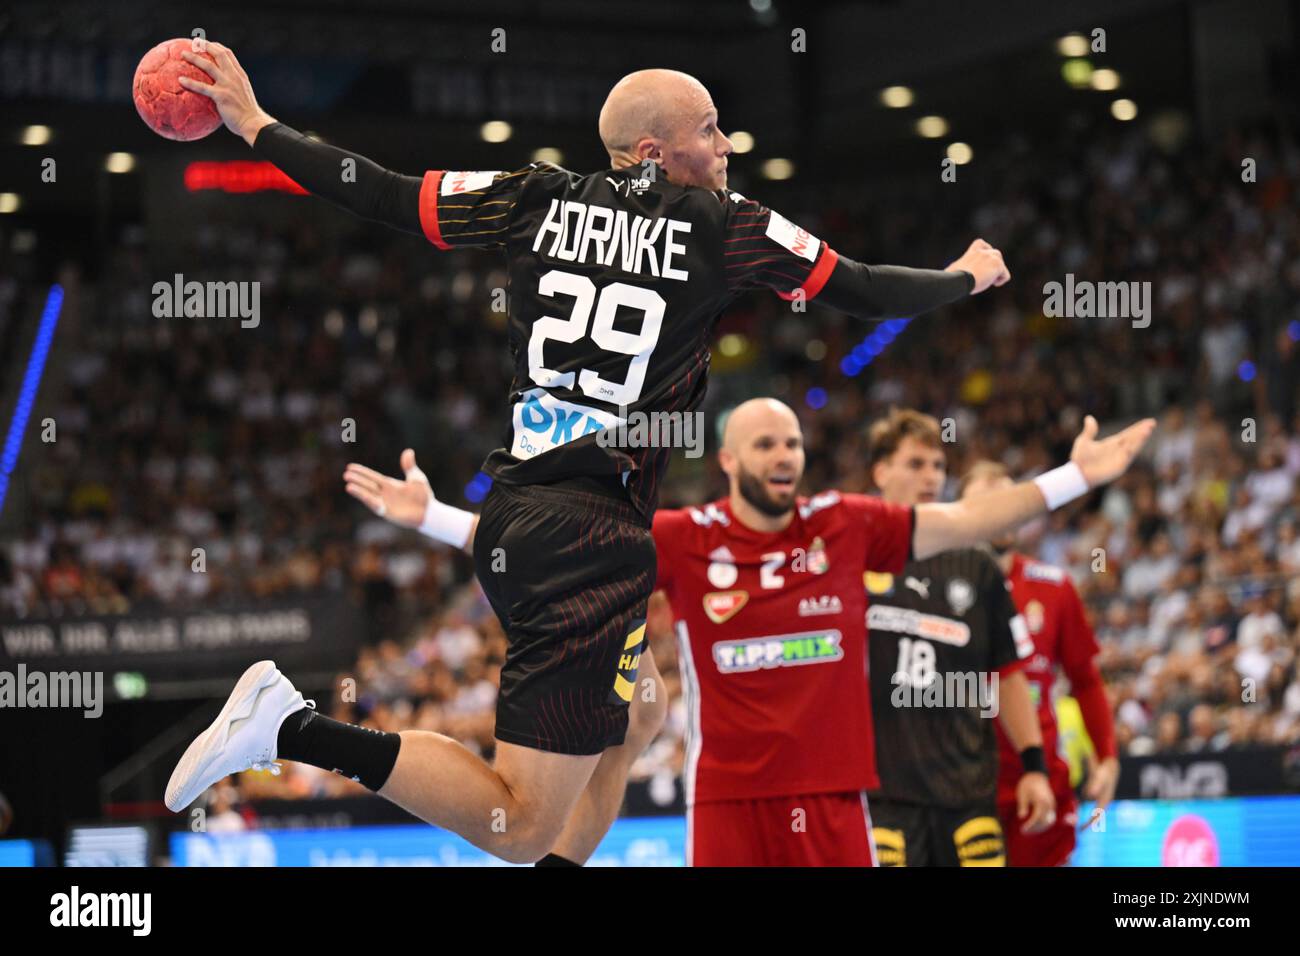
[772,642]
[1061,635]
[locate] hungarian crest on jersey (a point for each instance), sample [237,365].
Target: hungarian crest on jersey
[818,562]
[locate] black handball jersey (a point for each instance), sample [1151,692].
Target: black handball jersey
[936,636]
[616,281]
[615,284]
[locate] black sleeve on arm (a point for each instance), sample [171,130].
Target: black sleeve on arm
[377,194]
[886,292]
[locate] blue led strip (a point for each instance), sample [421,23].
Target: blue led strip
[866,351]
[31,382]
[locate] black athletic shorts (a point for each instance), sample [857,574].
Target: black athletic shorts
[568,571]
[910,834]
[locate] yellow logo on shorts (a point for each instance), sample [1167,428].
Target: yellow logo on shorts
[628,662]
[891,846]
[979,842]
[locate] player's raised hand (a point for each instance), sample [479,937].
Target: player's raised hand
[1035,800]
[1103,461]
[401,502]
[230,90]
[983,262]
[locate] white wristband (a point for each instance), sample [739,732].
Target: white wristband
[1062,485]
[447,524]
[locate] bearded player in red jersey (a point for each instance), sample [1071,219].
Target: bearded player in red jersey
[766,588]
[770,619]
[1061,635]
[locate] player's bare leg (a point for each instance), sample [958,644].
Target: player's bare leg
[515,809]
[601,800]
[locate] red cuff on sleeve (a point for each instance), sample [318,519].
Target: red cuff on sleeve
[1096,717]
[429,207]
[817,278]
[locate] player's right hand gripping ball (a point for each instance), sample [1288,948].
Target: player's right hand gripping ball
[167,107]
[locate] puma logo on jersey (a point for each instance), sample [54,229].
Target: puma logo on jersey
[920,587]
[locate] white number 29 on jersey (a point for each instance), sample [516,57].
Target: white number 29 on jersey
[639,345]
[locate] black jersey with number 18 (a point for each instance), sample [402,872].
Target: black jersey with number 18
[616,283]
[937,635]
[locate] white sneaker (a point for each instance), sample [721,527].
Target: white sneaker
[243,737]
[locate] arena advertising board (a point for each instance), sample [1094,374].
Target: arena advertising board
[318,632]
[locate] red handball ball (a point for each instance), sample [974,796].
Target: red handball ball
[168,108]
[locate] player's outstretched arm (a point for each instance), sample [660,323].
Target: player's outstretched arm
[372,193]
[959,524]
[881,292]
[410,502]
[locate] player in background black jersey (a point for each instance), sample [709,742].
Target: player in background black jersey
[662,254]
[946,644]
